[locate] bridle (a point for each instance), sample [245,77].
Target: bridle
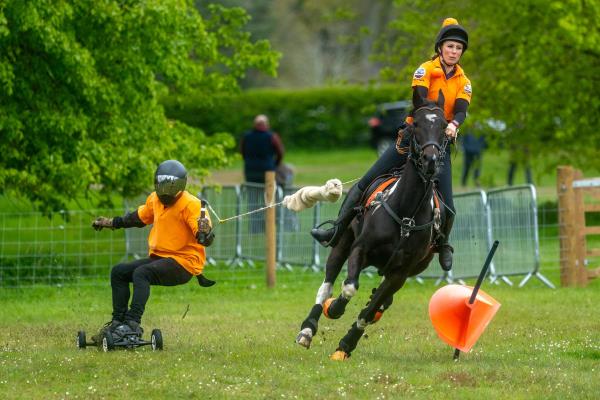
[416,149]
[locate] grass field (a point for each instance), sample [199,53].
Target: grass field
[238,342]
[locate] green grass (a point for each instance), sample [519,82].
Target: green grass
[238,342]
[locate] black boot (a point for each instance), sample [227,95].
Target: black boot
[110,326]
[443,247]
[135,327]
[330,237]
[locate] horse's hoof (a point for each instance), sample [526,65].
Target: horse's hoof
[304,338]
[339,355]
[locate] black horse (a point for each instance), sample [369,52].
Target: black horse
[395,233]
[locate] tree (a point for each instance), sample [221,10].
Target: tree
[531,65]
[81,83]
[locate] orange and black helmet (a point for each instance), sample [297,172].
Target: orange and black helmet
[451,30]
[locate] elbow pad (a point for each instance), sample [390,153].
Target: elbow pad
[129,220]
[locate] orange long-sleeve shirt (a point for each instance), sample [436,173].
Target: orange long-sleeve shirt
[174,229]
[431,76]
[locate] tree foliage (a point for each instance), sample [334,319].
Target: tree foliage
[80,85]
[532,64]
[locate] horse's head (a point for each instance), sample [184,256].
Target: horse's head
[428,143]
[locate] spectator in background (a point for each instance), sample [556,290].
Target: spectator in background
[519,155]
[262,150]
[473,146]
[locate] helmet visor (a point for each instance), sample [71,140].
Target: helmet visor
[168,187]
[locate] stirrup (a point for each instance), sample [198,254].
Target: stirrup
[326,243]
[329,221]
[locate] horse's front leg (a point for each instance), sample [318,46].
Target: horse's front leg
[334,264]
[382,296]
[335,308]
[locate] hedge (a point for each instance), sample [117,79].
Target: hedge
[307,118]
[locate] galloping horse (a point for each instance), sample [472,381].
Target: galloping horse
[395,233]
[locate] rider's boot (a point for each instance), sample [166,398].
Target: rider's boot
[442,245]
[330,237]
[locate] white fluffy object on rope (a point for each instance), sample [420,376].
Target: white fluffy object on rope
[308,196]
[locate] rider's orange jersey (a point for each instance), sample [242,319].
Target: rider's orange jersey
[431,75]
[174,229]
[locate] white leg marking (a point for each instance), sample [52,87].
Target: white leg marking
[324,292]
[361,324]
[348,291]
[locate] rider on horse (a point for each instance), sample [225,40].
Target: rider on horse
[440,74]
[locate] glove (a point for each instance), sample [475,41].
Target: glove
[452,130]
[205,234]
[102,222]
[204,225]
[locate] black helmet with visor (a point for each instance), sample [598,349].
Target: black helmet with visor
[169,181]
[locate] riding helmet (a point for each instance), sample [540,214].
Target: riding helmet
[451,30]
[169,181]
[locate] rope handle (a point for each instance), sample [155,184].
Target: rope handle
[258,209]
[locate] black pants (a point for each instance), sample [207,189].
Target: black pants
[391,159]
[143,273]
[472,160]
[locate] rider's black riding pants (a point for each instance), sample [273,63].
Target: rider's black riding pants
[143,273]
[391,159]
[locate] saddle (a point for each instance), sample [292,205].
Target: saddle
[380,185]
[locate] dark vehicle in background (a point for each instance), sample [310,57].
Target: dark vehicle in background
[385,123]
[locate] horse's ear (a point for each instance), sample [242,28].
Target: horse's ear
[441,99]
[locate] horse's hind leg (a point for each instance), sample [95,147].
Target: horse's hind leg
[334,264]
[382,295]
[386,304]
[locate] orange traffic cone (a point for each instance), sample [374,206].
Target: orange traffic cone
[456,321]
[460,314]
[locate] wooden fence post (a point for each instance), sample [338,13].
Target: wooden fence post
[270,230]
[566,223]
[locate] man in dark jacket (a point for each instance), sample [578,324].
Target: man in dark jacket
[473,147]
[262,150]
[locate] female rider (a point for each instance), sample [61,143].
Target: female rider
[441,73]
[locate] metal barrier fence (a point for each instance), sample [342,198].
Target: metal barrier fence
[64,249]
[56,250]
[228,249]
[294,246]
[470,238]
[508,214]
[514,222]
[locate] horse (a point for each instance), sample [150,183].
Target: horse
[395,234]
